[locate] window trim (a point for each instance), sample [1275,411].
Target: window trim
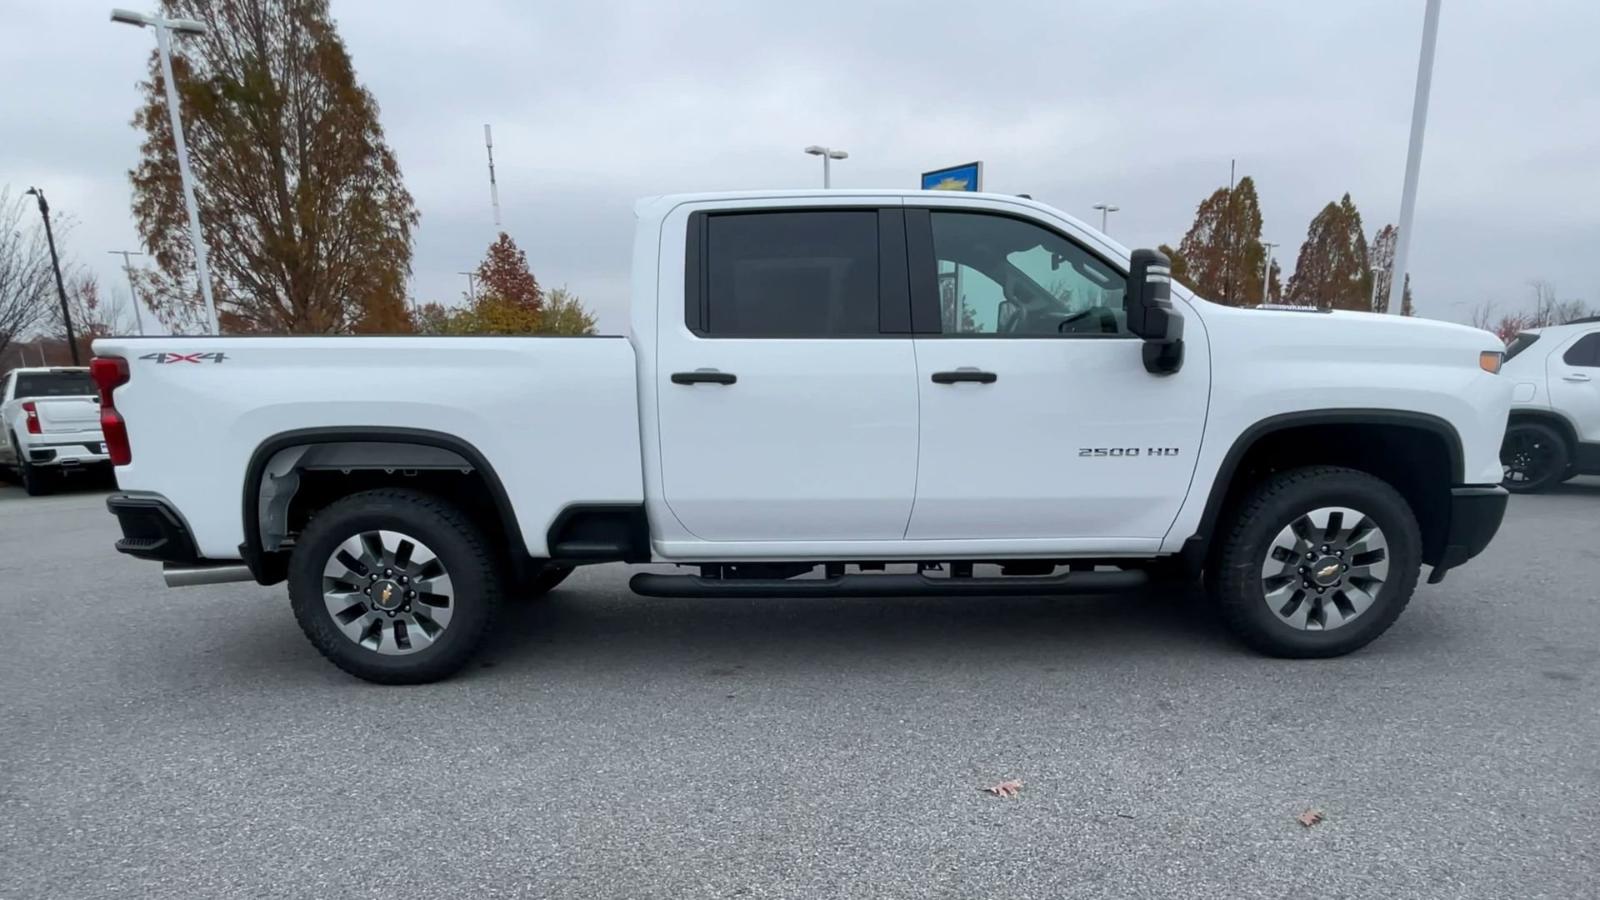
[1593,340]
[894,292]
[924,264]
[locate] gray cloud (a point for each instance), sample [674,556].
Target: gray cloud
[1142,104]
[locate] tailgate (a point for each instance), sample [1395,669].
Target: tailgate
[60,414]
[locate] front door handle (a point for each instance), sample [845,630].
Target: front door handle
[704,376]
[965,374]
[1575,376]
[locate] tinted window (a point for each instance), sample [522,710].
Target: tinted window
[792,274]
[1585,352]
[54,384]
[1004,276]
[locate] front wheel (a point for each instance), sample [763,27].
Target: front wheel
[1534,456]
[1317,562]
[394,586]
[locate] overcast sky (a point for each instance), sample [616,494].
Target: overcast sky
[1141,104]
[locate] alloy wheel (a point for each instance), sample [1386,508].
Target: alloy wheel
[388,592]
[1325,568]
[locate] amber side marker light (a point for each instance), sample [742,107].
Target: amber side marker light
[1489,361]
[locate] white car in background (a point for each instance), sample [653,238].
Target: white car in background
[50,422]
[1554,431]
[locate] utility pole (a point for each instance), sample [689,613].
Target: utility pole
[55,263]
[494,189]
[1266,276]
[1419,122]
[1227,251]
[133,291]
[164,50]
[472,285]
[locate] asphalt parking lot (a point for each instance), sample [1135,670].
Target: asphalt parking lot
[191,743]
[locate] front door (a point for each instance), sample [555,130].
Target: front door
[787,389]
[1038,417]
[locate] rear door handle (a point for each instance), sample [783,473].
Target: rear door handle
[966,374]
[1575,376]
[704,376]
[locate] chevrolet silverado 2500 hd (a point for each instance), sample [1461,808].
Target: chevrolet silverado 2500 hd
[834,393]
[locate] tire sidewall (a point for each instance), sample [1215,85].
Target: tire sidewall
[1245,596]
[472,581]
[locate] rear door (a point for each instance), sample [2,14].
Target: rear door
[1574,373]
[786,381]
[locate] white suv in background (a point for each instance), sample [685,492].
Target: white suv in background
[1554,432]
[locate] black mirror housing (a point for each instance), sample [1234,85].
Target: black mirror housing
[1150,312]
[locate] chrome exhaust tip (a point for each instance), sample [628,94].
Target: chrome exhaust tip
[192,576]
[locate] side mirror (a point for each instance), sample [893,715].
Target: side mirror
[1150,312]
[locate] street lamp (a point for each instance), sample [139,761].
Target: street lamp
[827,153]
[472,284]
[1106,210]
[133,291]
[55,263]
[1419,122]
[164,46]
[1266,277]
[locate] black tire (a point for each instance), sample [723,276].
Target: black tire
[34,480]
[1268,508]
[1535,456]
[542,581]
[474,571]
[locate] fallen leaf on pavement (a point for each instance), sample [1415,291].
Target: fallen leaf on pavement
[1310,817]
[1006,788]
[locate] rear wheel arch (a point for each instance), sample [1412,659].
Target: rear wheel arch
[351,460]
[1418,454]
[1554,419]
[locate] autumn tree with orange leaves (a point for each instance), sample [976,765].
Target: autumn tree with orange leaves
[305,217]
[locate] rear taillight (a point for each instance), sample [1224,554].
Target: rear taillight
[33,417]
[110,373]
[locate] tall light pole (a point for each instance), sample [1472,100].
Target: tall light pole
[133,291]
[827,154]
[1266,276]
[472,284]
[164,48]
[55,263]
[1419,122]
[1106,210]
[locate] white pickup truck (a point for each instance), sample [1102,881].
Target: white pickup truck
[839,393]
[49,425]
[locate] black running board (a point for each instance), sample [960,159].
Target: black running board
[652,584]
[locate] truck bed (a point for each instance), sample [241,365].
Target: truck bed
[557,418]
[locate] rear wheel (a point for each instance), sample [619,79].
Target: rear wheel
[1535,457]
[35,481]
[1318,562]
[394,586]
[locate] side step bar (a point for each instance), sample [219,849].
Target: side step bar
[653,584]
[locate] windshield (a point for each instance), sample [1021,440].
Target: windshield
[55,384]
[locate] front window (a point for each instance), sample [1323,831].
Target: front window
[1003,276]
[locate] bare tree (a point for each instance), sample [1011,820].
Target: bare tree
[25,280]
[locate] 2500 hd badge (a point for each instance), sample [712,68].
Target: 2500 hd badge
[1127,451]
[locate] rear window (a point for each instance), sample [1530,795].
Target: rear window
[1518,344]
[1585,352]
[55,384]
[792,274]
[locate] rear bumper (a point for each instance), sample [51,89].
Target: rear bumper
[152,529]
[1475,515]
[67,451]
